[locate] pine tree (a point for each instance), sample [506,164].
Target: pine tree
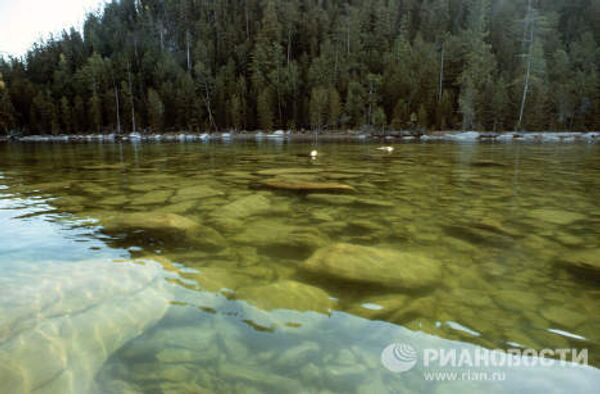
[156,110]
[236,109]
[7,110]
[335,108]
[66,115]
[479,68]
[79,115]
[379,119]
[401,115]
[264,109]
[268,67]
[318,107]
[476,64]
[355,104]
[95,113]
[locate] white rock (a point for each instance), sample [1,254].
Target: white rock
[60,325]
[465,136]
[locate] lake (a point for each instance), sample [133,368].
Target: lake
[251,267]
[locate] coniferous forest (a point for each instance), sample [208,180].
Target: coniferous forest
[202,65]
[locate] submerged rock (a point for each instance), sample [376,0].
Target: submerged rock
[195,193]
[217,279]
[58,329]
[226,224]
[334,199]
[298,356]
[556,216]
[244,207]
[179,207]
[271,233]
[287,294]
[517,300]
[146,186]
[487,164]
[288,171]
[563,316]
[377,266]
[153,197]
[303,186]
[92,188]
[164,225]
[150,221]
[338,176]
[117,200]
[478,235]
[339,199]
[585,259]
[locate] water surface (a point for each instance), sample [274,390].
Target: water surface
[174,268]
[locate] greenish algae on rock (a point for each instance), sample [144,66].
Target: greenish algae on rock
[287,294]
[149,221]
[342,199]
[584,259]
[563,315]
[195,192]
[244,207]
[164,225]
[288,171]
[265,233]
[153,197]
[304,186]
[377,266]
[555,216]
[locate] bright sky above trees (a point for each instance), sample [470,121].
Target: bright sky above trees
[22,22]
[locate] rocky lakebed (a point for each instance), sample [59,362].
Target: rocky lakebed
[253,268]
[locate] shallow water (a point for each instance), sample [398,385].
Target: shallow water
[178,268]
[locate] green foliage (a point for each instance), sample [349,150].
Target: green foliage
[379,119]
[318,107]
[264,107]
[7,111]
[335,108]
[95,113]
[66,115]
[156,110]
[206,65]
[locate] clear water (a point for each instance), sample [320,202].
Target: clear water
[174,268]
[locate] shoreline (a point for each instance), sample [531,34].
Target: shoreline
[280,135]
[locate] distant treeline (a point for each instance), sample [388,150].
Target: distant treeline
[198,65]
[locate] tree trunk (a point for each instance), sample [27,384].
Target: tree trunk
[370,110]
[348,39]
[133,128]
[529,25]
[118,109]
[289,46]
[187,51]
[161,33]
[441,82]
[247,21]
